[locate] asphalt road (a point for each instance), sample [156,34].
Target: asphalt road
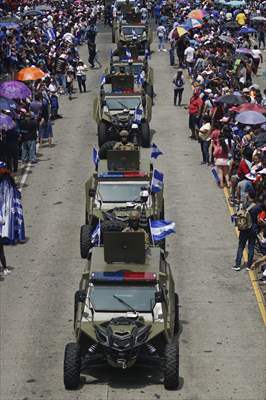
[222,343]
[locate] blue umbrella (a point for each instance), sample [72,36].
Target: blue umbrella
[7,122]
[247,29]
[250,118]
[7,104]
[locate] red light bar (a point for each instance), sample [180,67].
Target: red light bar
[134,173]
[140,276]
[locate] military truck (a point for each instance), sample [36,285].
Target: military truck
[122,108]
[123,11]
[113,193]
[139,35]
[126,311]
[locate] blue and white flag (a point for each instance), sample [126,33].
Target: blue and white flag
[102,80]
[141,78]
[156,181]
[160,229]
[12,227]
[96,235]
[138,116]
[134,34]
[155,151]
[128,54]
[95,157]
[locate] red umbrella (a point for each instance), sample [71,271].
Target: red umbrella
[250,107]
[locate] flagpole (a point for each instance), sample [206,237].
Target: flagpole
[151,232]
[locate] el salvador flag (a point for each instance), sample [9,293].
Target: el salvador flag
[155,151]
[95,157]
[96,235]
[160,229]
[103,80]
[157,181]
[141,78]
[128,54]
[138,116]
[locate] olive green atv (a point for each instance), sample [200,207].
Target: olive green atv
[139,68]
[125,314]
[140,35]
[122,108]
[115,196]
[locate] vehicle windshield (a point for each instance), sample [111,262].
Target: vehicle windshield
[133,30]
[120,192]
[134,68]
[139,298]
[120,103]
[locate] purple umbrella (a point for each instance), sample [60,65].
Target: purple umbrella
[14,90]
[243,50]
[6,122]
[250,118]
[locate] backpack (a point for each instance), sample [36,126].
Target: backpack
[179,82]
[243,218]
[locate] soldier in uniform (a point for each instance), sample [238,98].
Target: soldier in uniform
[133,226]
[124,144]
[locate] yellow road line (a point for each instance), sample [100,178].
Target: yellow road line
[252,275]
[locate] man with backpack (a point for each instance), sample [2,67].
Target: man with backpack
[179,82]
[247,223]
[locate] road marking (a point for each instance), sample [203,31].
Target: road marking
[26,171]
[252,275]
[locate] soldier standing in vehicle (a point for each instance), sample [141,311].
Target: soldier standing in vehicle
[133,226]
[124,144]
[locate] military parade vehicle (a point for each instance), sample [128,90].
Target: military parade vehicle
[125,311]
[138,67]
[123,108]
[121,184]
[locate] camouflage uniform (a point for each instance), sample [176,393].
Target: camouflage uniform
[124,146]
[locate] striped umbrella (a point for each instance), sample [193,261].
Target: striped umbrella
[177,32]
[197,14]
[192,23]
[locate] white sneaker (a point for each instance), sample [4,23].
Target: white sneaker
[165,50]
[6,271]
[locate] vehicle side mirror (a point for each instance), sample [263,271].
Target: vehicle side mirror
[92,192]
[159,298]
[81,296]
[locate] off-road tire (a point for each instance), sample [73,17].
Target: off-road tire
[104,149]
[145,134]
[111,226]
[171,366]
[101,133]
[85,240]
[176,325]
[72,365]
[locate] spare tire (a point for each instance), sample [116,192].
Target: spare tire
[105,147]
[101,133]
[145,134]
[85,240]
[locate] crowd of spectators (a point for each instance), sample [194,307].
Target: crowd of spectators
[227,109]
[45,36]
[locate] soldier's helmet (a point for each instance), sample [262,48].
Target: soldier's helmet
[134,216]
[124,133]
